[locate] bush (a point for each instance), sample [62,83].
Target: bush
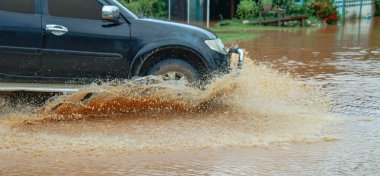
[377,3]
[247,9]
[295,9]
[291,7]
[325,10]
[151,8]
[266,2]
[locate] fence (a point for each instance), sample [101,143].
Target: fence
[355,8]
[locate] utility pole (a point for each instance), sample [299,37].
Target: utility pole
[170,9]
[188,11]
[361,7]
[208,13]
[344,10]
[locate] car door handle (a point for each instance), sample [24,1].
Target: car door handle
[57,30]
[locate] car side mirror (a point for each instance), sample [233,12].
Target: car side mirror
[110,13]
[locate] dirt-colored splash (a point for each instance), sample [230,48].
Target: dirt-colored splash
[264,108]
[259,107]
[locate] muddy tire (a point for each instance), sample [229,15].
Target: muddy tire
[175,69]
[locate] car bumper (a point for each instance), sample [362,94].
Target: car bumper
[240,52]
[222,63]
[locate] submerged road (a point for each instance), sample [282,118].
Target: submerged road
[316,112]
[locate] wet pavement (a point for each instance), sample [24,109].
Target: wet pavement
[323,118]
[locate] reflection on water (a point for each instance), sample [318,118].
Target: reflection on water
[342,59]
[268,124]
[345,62]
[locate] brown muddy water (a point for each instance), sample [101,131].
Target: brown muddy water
[308,105]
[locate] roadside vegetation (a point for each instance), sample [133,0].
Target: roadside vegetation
[236,25]
[318,11]
[235,30]
[377,3]
[249,12]
[324,10]
[149,8]
[237,36]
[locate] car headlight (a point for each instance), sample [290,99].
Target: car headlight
[216,45]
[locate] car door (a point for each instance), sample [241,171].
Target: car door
[79,44]
[20,39]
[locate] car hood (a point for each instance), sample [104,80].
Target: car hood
[173,28]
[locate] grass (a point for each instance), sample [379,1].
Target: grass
[238,26]
[242,27]
[237,36]
[235,30]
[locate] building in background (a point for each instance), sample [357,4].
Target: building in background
[196,12]
[352,8]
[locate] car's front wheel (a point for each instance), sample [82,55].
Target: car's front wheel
[175,69]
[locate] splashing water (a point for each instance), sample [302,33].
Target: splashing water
[260,107]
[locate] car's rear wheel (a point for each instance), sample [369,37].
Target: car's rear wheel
[175,69]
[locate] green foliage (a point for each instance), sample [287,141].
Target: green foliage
[290,6]
[324,10]
[247,9]
[150,8]
[266,2]
[377,3]
[283,4]
[295,9]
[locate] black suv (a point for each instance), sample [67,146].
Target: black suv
[50,45]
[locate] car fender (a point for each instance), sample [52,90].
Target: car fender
[146,51]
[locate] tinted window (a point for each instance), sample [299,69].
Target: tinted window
[83,9]
[19,6]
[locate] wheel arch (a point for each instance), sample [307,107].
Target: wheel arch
[154,52]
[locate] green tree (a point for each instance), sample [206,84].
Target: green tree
[377,7]
[247,9]
[266,2]
[150,8]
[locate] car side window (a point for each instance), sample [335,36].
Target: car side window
[18,6]
[82,9]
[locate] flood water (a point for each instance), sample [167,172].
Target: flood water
[309,105]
